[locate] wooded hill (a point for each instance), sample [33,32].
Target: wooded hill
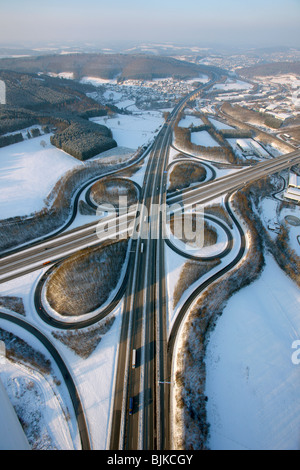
[60,104]
[30,91]
[107,66]
[265,69]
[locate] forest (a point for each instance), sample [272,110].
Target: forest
[125,66]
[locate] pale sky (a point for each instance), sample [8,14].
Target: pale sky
[228,22]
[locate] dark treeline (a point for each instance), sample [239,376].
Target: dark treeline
[84,140]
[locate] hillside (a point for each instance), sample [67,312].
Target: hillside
[265,69]
[26,90]
[60,104]
[106,66]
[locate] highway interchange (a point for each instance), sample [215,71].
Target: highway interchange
[141,405]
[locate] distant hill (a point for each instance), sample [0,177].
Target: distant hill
[107,66]
[46,93]
[62,104]
[268,69]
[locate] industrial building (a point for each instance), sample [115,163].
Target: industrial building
[250,147]
[245,147]
[293,190]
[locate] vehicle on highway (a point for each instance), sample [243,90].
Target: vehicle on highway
[134,359]
[131,407]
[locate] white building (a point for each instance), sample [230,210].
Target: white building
[293,191]
[294,181]
[259,150]
[244,146]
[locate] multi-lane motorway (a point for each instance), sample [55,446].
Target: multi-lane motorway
[34,258]
[140,413]
[141,408]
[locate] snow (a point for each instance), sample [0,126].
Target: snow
[174,264]
[11,432]
[94,376]
[204,252]
[28,172]
[291,80]
[269,214]
[294,230]
[245,146]
[219,125]
[112,95]
[42,395]
[173,154]
[65,75]
[20,380]
[96,81]
[133,131]
[252,383]
[139,176]
[114,156]
[233,85]
[204,139]
[189,121]
[95,382]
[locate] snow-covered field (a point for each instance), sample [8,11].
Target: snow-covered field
[97,81]
[28,172]
[189,121]
[133,131]
[204,139]
[219,125]
[233,85]
[252,383]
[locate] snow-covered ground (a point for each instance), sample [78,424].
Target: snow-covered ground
[133,131]
[288,79]
[204,139]
[273,221]
[94,376]
[208,251]
[11,432]
[233,85]
[252,383]
[294,229]
[28,172]
[97,81]
[189,121]
[65,75]
[173,154]
[26,383]
[174,264]
[220,125]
